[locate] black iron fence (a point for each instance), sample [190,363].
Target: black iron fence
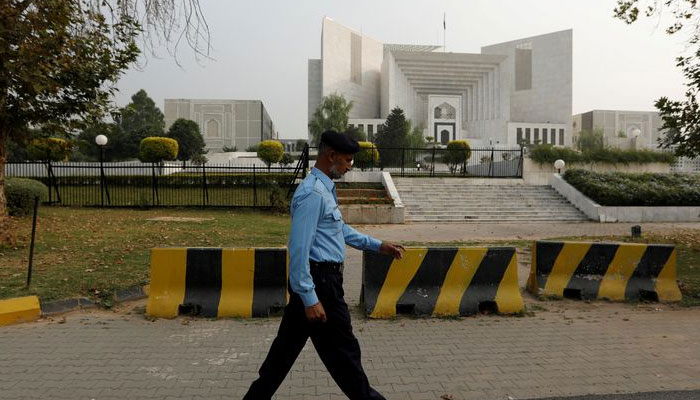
[476,162]
[146,185]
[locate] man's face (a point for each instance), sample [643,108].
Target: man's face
[340,164]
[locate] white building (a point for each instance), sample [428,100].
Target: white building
[510,92]
[621,129]
[224,123]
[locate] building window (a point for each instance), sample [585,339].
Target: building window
[361,127]
[544,135]
[527,135]
[370,132]
[537,136]
[519,140]
[380,128]
[561,136]
[351,126]
[356,58]
[523,69]
[554,136]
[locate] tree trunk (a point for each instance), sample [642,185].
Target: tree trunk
[3,161]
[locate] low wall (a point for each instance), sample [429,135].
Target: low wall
[373,213]
[539,174]
[600,213]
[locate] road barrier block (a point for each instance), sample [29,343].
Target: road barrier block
[215,282]
[613,271]
[19,309]
[441,282]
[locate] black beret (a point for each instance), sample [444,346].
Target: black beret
[340,142]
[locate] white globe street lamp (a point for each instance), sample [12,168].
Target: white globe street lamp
[559,165]
[101,140]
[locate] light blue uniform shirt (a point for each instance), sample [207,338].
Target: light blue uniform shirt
[318,233]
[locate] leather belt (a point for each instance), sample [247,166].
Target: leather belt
[326,267]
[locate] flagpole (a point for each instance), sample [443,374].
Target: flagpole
[444,30]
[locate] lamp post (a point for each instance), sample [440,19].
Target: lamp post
[101,141]
[559,164]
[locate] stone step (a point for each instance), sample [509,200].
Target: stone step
[492,220]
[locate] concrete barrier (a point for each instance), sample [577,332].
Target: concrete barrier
[19,309]
[613,271]
[215,282]
[441,282]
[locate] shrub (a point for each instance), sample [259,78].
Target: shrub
[278,199]
[156,149]
[367,156]
[270,151]
[458,152]
[20,194]
[199,159]
[286,159]
[252,149]
[547,154]
[227,149]
[624,189]
[49,149]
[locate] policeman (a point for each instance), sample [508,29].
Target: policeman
[316,306]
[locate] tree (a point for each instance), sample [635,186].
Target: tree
[286,159]
[158,149]
[458,152]
[679,116]
[590,140]
[367,157]
[332,113]
[393,136]
[270,152]
[138,120]
[300,143]
[59,60]
[188,138]
[415,139]
[117,147]
[49,149]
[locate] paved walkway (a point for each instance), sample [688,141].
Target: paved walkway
[563,348]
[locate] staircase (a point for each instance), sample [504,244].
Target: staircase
[482,200]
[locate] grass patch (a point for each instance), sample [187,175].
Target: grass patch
[93,252]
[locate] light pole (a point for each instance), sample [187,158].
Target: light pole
[559,164]
[101,141]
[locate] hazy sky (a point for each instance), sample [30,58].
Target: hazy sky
[260,49]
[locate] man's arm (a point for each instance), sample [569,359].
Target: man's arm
[305,215]
[366,242]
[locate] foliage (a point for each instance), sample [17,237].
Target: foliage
[49,149]
[270,151]
[367,157]
[300,143]
[60,61]
[189,139]
[286,159]
[227,149]
[21,193]
[116,147]
[415,139]
[458,152]
[138,120]
[623,189]
[356,133]
[199,159]
[252,148]
[679,116]
[331,113]
[278,200]
[547,154]
[157,149]
[590,140]
[393,135]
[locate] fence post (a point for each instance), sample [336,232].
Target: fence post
[205,191]
[255,189]
[432,164]
[154,186]
[31,247]
[520,167]
[491,164]
[403,157]
[49,175]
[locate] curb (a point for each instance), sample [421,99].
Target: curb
[54,307]
[19,309]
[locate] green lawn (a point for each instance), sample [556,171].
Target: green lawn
[80,250]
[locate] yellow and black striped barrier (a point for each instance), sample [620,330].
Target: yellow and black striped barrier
[441,282]
[215,282]
[613,271]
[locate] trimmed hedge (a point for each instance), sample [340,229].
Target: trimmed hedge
[185,179]
[270,151]
[624,189]
[49,149]
[20,194]
[547,154]
[157,149]
[367,157]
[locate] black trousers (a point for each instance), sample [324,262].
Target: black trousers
[334,341]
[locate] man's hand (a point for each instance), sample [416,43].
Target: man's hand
[316,313]
[394,250]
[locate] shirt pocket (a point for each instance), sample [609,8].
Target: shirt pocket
[332,222]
